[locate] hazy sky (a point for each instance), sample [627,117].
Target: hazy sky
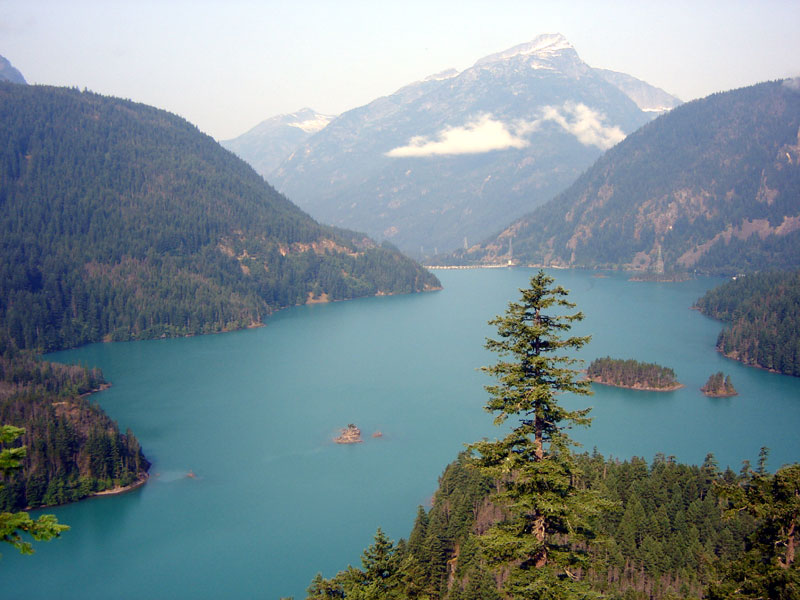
[226,66]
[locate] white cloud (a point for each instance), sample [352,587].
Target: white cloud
[793,83]
[585,124]
[483,134]
[486,134]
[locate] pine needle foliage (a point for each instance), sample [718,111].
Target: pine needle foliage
[539,483]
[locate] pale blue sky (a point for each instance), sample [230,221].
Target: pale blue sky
[226,66]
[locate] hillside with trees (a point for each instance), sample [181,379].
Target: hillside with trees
[121,221]
[632,374]
[710,186]
[672,531]
[762,313]
[73,450]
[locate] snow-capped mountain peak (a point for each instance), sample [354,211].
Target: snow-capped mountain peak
[543,46]
[310,123]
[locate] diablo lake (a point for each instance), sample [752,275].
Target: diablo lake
[249,497]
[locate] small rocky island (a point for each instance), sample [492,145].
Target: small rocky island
[719,386]
[632,374]
[349,435]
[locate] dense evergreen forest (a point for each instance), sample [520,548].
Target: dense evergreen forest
[762,312]
[710,186]
[631,374]
[121,221]
[73,449]
[673,531]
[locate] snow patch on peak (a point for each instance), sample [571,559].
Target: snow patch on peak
[543,46]
[447,74]
[315,123]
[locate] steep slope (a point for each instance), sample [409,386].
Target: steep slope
[118,221]
[713,185]
[647,97]
[266,145]
[457,155]
[9,73]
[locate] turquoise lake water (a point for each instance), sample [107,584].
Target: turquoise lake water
[252,415]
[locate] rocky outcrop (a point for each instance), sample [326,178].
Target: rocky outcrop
[349,435]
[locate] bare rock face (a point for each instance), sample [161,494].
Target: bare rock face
[349,435]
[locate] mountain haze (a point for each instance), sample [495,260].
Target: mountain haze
[646,96]
[120,221]
[266,145]
[9,73]
[713,185]
[458,154]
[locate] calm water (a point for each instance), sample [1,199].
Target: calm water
[252,414]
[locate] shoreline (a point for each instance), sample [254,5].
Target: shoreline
[116,491]
[722,395]
[672,388]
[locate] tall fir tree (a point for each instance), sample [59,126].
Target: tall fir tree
[535,548]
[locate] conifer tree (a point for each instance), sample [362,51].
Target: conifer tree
[533,465]
[46,527]
[769,568]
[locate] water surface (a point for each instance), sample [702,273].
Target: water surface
[252,414]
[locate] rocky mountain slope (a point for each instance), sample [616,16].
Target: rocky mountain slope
[713,185]
[9,73]
[647,97]
[454,157]
[266,145]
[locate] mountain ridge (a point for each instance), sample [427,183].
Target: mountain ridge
[711,186]
[122,221]
[452,156]
[9,73]
[267,144]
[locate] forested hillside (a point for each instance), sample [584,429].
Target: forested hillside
[73,449]
[667,535]
[762,312]
[711,186]
[120,221]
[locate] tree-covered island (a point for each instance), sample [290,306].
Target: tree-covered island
[719,386]
[632,374]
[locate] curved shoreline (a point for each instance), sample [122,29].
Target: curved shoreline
[638,388]
[116,491]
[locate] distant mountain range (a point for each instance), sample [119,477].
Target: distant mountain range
[122,221]
[451,159]
[9,73]
[713,186]
[270,142]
